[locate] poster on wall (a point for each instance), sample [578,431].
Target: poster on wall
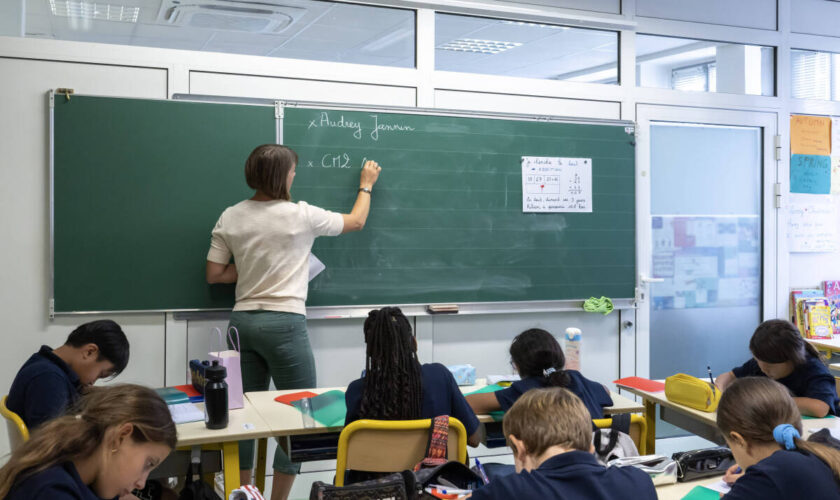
[812,224]
[706,261]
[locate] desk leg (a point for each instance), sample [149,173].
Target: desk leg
[650,419]
[230,452]
[262,449]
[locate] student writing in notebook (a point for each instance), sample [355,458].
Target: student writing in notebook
[103,448]
[395,386]
[537,357]
[52,379]
[780,352]
[762,425]
[550,434]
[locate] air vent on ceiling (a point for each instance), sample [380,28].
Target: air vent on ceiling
[229,15]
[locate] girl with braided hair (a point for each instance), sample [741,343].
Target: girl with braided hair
[395,386]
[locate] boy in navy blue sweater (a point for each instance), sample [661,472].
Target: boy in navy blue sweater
[550,433]
[52,379]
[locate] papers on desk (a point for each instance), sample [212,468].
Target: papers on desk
[185,412]
[720,486]
[641,384]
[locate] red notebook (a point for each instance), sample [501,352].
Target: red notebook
[640,383]
[189,390]
[288,399]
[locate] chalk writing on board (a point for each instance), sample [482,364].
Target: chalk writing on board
[811,225]
[325,120]
[552,184]
[810,174]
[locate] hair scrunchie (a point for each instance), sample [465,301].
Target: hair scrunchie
[549,371]
[784,434]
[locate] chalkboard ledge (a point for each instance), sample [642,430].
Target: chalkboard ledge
[470,308]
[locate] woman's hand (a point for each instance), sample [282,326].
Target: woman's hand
[370,173]
[732,474]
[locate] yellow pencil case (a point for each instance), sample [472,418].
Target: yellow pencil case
[692,392]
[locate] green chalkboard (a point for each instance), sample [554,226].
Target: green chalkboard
[447,223]
[140,183]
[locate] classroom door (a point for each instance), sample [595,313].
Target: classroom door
[706,229]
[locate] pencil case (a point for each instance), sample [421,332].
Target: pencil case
[696,464]
[692,392]
[660,469]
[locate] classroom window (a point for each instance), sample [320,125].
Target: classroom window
[815,75]
[305,29]
[704,66]
[531,50]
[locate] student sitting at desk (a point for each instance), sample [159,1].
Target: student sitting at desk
[550,433]
[780,352]
[106,446]
[51,380]
[539,360]
[762,426]
[395,386]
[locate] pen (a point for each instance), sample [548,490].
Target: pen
[712,380]
[481,471]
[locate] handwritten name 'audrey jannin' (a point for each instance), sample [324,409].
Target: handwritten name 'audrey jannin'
[324,121]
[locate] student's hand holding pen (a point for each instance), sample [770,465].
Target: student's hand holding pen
[732,474]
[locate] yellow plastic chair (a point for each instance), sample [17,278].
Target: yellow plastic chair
[392,445]
[638,430]
[837,384]
[18,433]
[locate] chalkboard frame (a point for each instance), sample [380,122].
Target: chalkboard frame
[338,311]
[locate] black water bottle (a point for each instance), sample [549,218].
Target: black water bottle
[215,397]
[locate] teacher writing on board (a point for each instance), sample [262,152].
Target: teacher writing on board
[269,238]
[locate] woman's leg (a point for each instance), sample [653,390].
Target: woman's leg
[254,377]
[292,366]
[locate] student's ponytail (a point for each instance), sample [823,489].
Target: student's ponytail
[761,410]
[89,424]
[536,353]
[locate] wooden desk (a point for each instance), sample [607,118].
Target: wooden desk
[830,345]
[284,420]
[678,490]
[701,423]
[698,422]
[244,423]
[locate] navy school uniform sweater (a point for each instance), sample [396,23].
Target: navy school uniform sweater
[786,475]
[43,388]
[594,396]
[574,475]
[441,396]
[59,482]
[808,380]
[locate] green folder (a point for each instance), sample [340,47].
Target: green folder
[702,493]
[328,409]
[806,417]
[172,396]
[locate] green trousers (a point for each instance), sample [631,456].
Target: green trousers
[275,345]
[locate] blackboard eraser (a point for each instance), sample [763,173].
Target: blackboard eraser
[442,308]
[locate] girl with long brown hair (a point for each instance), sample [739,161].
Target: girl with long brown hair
[762,425]
[104,447]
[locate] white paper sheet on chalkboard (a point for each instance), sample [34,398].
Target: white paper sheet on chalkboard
[553,184]
[315,266]
[811,223]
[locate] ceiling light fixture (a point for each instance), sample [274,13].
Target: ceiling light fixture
[478,46]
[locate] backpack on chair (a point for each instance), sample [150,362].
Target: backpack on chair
[614,442]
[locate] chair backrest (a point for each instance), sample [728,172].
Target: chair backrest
[638,430]
[837,384]
[18,433]
[392,445]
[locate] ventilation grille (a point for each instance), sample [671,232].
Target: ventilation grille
[227,15]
